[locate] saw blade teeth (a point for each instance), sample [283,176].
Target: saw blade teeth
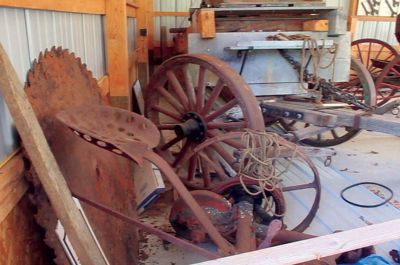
[40,58]
[59,50]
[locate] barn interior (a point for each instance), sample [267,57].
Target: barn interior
[199,132]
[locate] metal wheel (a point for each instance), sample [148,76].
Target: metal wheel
[184,99]
[360,85]
[302,177]
[388,82]
[376,55]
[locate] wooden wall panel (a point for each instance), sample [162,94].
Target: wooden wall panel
[21,238]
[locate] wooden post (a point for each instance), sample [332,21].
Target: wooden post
[45,164]
[117,53]
[143,41]
[207,24]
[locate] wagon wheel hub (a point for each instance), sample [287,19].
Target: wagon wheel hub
[193,128]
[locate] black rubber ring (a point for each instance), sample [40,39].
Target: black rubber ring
[363,205]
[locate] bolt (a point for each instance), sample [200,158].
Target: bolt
[299,116]
[286,114]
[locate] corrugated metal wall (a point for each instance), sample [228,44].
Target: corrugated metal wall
[381,30]
[24,33]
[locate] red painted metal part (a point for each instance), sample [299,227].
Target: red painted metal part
[182,85]
[103,126]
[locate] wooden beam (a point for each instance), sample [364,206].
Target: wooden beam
[375,18]
[104,84]
[132,69]
[131,4]
[207,25]
[130,11]
[316,248]
[150,24]
[171,14]
[87,6]
[142,32]
[12,185]
[117,53]
[45,164]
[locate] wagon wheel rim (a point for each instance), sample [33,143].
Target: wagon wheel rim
[388,82]
[233,138]
[360,85]
[376,50]
[191,88]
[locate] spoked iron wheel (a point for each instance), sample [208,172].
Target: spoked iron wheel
[184,99]
[300,180]
[362,87]
[388,82]
[376,55]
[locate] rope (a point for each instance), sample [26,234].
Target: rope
[317,54]
[257,163]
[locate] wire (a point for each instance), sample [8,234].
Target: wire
[366,205]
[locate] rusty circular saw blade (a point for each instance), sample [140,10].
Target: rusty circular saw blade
[57,81]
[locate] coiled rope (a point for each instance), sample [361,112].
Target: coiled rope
[258,163]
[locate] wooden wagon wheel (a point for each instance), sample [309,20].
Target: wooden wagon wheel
[388,82]
[360,85]
[376,55]
[185,100]
[292,182]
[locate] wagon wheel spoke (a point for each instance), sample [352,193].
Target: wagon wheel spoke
[213,97]
[193,165]
[166,112]
[334,134]
[221,110]
[230,142]
[205,172]
[176,85]
[206,156]
[171,100]
[189,87]
[311,185]
[166,126]
[227,125]
[182,153]
[369,55]
[172,143]
[224,154]
[201,89]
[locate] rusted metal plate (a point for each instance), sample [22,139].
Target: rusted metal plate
[58,80]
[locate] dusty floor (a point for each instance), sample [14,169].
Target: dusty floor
[368,157]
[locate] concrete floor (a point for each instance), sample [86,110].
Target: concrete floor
[368,157]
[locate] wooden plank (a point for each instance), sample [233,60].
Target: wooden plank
[316,25]
[170,14]
[11,197]
[131,3]
[375,18]
[21,239]
[12,185]
[207,25]
[45,165]
[130,11]
[316,248]
[117,53]
[132,69]
[88,6]
[150,24]
[104,84]
[142,32]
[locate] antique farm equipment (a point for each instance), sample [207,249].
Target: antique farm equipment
[132,136]
[58,80]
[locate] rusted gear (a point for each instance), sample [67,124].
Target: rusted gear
[57,81]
